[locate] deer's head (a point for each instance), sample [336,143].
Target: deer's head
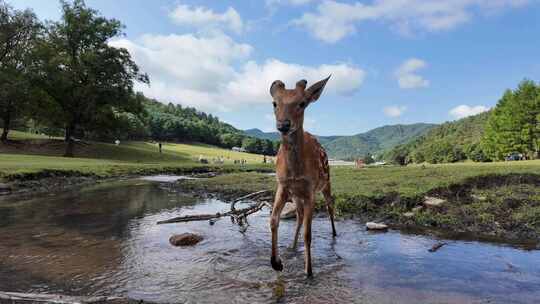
[289,105]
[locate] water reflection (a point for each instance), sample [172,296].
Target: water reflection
[104,240]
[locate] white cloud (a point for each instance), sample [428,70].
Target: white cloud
[287,2]
[465,110]
[407,77]
[335,20]
[206,18]
[394,111]
[252,82]
[208,72]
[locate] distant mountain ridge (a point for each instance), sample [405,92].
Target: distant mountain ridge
[374,141]
[275,136]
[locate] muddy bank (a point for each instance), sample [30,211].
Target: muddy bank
[50,181]
[499,208]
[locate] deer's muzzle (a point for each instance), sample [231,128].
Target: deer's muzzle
[283,126]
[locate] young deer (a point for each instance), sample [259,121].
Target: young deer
[301,166]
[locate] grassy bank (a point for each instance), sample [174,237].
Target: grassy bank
[492,199]
[28,155]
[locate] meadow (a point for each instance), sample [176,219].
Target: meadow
[28,154]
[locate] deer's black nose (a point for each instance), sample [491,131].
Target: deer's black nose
[284,126]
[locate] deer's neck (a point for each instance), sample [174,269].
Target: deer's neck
[293,145]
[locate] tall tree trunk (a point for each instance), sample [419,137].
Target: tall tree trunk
[70,147]
[7,122]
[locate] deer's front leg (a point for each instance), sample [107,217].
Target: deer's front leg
[279,202]
[308,217]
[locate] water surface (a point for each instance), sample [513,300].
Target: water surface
[103,240]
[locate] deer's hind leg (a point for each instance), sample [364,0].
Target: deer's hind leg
[299,220]
[327,193]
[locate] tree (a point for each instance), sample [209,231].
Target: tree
[80,71]
[368,159]
[251,144]
[513,126]
[18,31]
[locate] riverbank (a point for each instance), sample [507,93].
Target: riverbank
[32,163]
[492,202]
[485,200]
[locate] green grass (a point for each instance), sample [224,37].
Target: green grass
[30,154]
[18,135]
[387,193]
[410,181]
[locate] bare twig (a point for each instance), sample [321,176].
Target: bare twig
[245,197]
[238,215]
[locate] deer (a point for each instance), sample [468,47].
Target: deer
[301,166]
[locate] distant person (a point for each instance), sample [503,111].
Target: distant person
[159,144]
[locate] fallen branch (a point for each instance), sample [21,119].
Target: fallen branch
[245,197]
[17,297]
[436,247]
[238,215]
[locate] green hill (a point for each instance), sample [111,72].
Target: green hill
[448,142]
[371,142]
[374,141]
[274,136]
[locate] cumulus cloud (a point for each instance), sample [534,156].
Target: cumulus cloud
[335,20]
[253,80]
[394,111]
[214,73]
[462,111]
[201,17]
[407,76]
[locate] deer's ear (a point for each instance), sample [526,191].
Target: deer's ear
[276,86]
[314,92]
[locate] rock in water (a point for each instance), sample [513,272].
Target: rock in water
[185,239]
[289,211]
[4,189]
[433,201]
[376,226]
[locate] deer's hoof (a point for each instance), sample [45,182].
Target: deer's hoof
[276,264]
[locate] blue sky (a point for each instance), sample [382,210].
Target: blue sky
[393,61]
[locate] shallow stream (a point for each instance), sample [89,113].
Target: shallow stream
[103,240]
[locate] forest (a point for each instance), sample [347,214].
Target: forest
[512,127]
[62,78]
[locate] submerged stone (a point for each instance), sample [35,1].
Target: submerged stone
[185,239]
[289,211]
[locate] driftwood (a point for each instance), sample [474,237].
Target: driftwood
[237,215]
[436,247]
[16,297]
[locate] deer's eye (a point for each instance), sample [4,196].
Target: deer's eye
[275,104]
[302,104]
